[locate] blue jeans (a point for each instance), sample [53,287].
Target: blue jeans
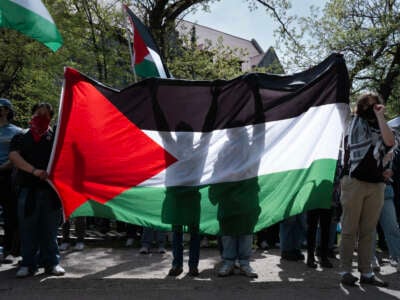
[38,230]
[292,233]
[237,248]
[390,227]
[177,246]
[149,235]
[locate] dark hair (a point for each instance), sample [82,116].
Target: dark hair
[46,105]
[364,98]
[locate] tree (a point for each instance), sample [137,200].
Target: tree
[367,32]
[161,16]
[94,43]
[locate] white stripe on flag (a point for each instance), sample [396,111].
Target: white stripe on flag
[35,6]
[282,145]
[157,60]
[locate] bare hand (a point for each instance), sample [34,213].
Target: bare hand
[379,110]
[387,174]
[42,174]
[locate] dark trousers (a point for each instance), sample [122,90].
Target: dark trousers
[8,201]
[80,226]
[323,217]
[177,246]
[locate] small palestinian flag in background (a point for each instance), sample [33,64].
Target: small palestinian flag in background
[32,19]
[250,151]
[147,60]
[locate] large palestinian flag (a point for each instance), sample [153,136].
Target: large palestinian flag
[147,60]
[31,18]
[259,147]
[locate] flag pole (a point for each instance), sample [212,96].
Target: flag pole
[130,38]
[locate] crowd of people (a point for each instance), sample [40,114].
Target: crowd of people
[366,189]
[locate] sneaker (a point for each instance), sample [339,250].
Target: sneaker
[193,271]
[56,270]
[225,270]
[375,264]
[79,246]
[144,250]
[394,262]
[64,246]
[348,279]
[248,271]
[373,280]
[129,242]
[162,250]
[175,271]
[264,245]
[23,272]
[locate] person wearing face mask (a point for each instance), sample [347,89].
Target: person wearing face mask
[7,198]
[39,209]
[367,142]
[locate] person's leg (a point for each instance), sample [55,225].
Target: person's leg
[370,213]
[177,250]
[312,222]
[325,222]
[8,202]
[80,227]
[353,193]
[229,254]
[388,221]
[65,231]
[245,243]
[161,238]
[147,238]
[194,246]
[285,235]
[50,219]
[28,223]
[177,246]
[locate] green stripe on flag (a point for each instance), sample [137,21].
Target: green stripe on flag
[280,195]
[146,69]
[16,17]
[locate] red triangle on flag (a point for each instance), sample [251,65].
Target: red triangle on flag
[99,153]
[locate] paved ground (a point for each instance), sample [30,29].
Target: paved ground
[116,272]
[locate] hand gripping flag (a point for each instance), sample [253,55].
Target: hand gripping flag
[234,156]
[147,60]
[32,19]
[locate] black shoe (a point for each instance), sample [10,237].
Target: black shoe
[373,280]
[311,263]
[299,255]
[325,263]
[193,271]
[289,256]
[348,279]
[175,271]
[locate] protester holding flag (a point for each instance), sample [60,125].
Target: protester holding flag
[238,212]
[7,198]
[368,140]
[39,209]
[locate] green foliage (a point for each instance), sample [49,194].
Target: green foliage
[206,63]
[95,43]
[366,32]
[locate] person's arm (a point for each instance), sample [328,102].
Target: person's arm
[23,165]
[386,132]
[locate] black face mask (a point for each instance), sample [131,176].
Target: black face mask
[368,114]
